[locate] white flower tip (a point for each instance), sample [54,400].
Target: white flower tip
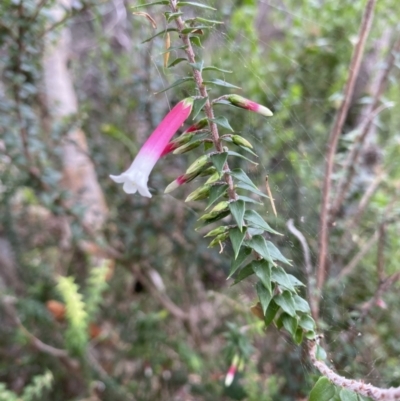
[229,379]
[171,187]
[265,111]
[133,182]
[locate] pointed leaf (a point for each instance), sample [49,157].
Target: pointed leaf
[264,296]
[295,282]
[240,175]
[176,83]
[210,21]
[285,301]
[290,324]
[255,220]
[236,236]
[323,390]
[160,33]
[249,200]
[223,122]
[176,61]
[231,153]
[271,313]
[298,338]
[250,188]
[237,209]
[172,16]
[198,66]
[242,256]
[198,104]
[190,29]
[196,41]
[301,304]
[216,191]
[280,277]
[212,68]
[194,4]
[220,82]
[244,273]
[307,323]
[164,2]
[259,245]
[276,253]
[262,269]
[219,160]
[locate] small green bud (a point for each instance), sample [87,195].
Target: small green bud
[187,147]
[220,206]
[208,171]
[200,162]
[217,231]
[182,139]
[200,193]
[240,141]
[214,216]
[215,177]
[197,126]
[218,239]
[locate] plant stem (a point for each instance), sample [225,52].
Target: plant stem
[203,92]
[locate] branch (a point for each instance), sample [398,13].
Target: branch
[334,137]
[365,126]
[359,387]
[312,292]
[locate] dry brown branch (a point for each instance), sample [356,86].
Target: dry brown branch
[372,111]
[334,137]
[308,268]
[358,386]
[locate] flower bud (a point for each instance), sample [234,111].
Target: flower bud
[240,141]
[218,239]
[197,164]
[200,193]
[215,177]
[187,147]
[247,104]
[197,126]
[217,231]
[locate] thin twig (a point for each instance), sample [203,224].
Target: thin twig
[334,137]
[311,289]
[373,110]
[359,387]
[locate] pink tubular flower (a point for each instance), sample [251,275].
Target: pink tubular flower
[247,104]
[136,177]
[230,375]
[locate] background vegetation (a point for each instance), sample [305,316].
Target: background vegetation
[125,302]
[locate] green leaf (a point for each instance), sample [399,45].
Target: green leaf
[301,304]
[194,4]
[232,153]
[169,50]
[198,66]
[240,175]
[172,16]
[347,395]
[298,338]
[160,33]
[164,2]
[249,200]
[276,253]
[196,41]
[198,104]
[307,323]
[255,220]
[220,82]
[259,245]
[280,277]
[262,269]
[323,390]
[242,256]
[209,218]
[295,282]
[216,191]
[210,21]
[212,68]
[271,313]
[223,122]
[250,188]
[236,236]
[244,273]
[264,296]
[290,324]
[176,61]
[190,29]
[237,209]
[219,160]
[176,83]
[285,301]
